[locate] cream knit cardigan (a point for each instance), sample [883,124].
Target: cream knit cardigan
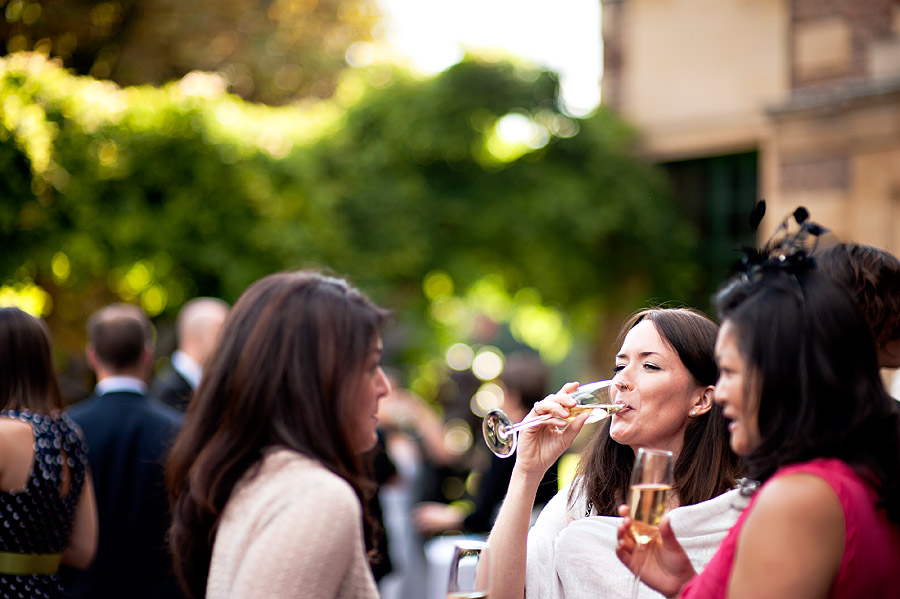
[571,556]
[291,530]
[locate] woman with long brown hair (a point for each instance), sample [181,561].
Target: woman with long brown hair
[665,374]
[265,477]
[47,501]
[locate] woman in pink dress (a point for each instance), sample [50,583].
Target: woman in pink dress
[799,381]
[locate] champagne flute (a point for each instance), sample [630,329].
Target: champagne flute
[469,571]
[501,435]
[648,498]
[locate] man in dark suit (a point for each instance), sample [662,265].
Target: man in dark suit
[197,328]
[128,437]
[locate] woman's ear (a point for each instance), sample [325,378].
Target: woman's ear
[704,402]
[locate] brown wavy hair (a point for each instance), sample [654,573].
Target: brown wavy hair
[706,466]
[284,373]
[872,276]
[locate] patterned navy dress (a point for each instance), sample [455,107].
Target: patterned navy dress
[37,519]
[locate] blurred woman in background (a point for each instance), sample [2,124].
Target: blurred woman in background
[47,501]
[872,276]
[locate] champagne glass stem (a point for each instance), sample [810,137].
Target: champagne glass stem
[522,425]
[637,574]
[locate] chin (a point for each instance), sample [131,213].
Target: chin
[740,446]
[367,444]
[618,438]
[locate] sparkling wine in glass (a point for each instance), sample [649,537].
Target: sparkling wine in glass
[648,498]
[501,435]
[469,573]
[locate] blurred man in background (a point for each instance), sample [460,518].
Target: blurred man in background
[128,437]
[197,327]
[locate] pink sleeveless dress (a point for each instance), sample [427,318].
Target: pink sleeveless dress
[871,548]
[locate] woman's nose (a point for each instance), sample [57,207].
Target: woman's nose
[718,395]
[620,384]
[385,385]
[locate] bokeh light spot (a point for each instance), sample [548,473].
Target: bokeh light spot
[28,297]
[488,397]
[61,267]
[437,284]
[459,356]
[457,436]
[488,364]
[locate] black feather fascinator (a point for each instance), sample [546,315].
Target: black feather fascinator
[789,249]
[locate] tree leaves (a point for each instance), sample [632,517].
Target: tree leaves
[206,194]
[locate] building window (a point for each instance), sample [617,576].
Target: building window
[717,195]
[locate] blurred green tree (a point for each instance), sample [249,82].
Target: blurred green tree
[471,182]
[270,51]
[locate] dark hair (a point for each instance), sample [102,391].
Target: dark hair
[119,334]
[813,371]
[706,466]
[872,276]
[27,377]
[525,374]
[288,361]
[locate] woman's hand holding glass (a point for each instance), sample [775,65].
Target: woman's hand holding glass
[540,446]
[663,563]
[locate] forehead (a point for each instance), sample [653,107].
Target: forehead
[643,338]
[726,340]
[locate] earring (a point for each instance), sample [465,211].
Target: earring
[693,412]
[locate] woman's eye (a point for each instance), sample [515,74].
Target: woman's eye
[649,366]
[618,367]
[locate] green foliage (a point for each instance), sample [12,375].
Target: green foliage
[581,219]
[156,195]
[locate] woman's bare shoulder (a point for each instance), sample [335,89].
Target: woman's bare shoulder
[799,495]
[13,430]
[792,542]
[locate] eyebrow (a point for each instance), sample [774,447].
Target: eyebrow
[642,354]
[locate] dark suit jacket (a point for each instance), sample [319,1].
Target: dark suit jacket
[171,387]
[128,437]
[492,491]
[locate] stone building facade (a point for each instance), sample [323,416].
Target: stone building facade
[794,101]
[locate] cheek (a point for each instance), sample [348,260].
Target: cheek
[753,429]
[364,435]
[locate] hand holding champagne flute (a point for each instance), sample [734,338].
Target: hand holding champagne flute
[648,497]
[501,435]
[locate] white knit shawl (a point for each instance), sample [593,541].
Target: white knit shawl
[571,556]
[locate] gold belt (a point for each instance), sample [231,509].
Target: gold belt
[25,564]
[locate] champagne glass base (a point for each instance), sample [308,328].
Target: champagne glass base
[494,427]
